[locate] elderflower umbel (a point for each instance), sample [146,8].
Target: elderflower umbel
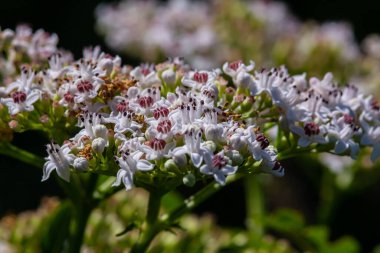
[152,132]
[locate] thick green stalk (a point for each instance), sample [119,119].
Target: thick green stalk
[82,208]
[193,201]
[255,208]
[151,226]
[78,229]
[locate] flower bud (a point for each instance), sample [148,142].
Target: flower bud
[107,65]
[230,93]
[169,76]
[132,92]
[98,145]
[210,145]
[80,164]
[244,80]
[100,131]
[214,132]
[235,157]
[189,180]
[170,166]
[13,124]
[180,160]
[247,104]
[44,119]
[237,142]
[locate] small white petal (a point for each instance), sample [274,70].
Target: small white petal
[119,176]
[205,169]
[257,154]
[319,139]
[220,177]
[32,97]
[340,147]
[297,130]
[144,165]
[365,140]
[196,159]
[128,181]
[229,170]
[207,156]
[354,150]
[278,173]
[48,168]
[64,173]
[303,142]
[375,152]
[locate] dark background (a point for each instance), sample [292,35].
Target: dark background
[73,21]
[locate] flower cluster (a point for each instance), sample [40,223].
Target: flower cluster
[24,46]
[168,124]
[208,34]
[151,30]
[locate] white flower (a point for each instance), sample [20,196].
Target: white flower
[124,122]
[56,69]
[21,101]
[341,130]
[214,132]
[145,75]
[270,164]
[129,164]
[67,92]
[192,147]
[266,80]
[257,144]
[169,76]
[234,68]
[197,79]
[24,83]
[217,165]
[310,133]
[156,148]
[87,82]
[371,137]
[59,159]
[92,127]
[237,138]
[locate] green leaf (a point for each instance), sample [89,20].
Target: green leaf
[344,245]
[318,235]
[285,221]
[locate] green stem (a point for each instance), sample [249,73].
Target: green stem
[78,229]
[82,208]
[255,208]
[197,199]
[27,157]
[293,151]
[328,197]
[151,227]
[289,153]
